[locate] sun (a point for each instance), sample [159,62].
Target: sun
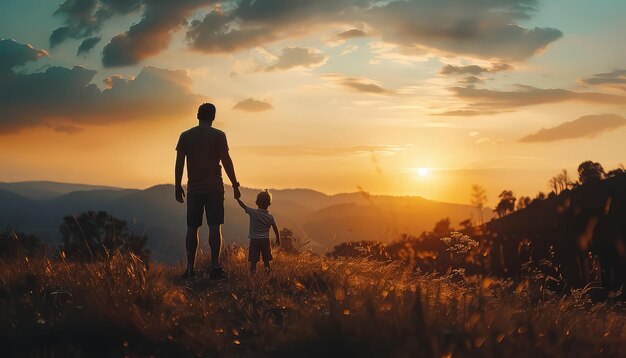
[422,171]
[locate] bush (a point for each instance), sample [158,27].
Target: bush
[98,235]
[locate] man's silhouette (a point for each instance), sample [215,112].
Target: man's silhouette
[204,147]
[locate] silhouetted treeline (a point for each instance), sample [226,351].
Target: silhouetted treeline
[583,228]
[90,236]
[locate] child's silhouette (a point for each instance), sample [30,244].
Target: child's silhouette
[259,234]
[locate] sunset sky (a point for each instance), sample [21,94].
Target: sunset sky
[421,97]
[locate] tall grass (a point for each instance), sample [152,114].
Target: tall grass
[307,306]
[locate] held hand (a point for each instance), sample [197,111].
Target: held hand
[237,193]
[180,194]
[277,242]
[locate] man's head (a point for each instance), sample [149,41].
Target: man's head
[264,199]
[206,112]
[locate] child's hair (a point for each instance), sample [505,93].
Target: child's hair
[264,198]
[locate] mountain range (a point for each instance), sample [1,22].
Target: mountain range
[38,208]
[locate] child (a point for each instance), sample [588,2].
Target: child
[259,233]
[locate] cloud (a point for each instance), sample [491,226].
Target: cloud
[253,105]
[487,29]
[305,151]
[83,18]
[465,113]
[474,69]
[615,78]
[65,128]
[14,54]
[151,35]
[87,45]
[350,34]
[528,95]
[62,97]
[586,126]
[292,57]
[362,85]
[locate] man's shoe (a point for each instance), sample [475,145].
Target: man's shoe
[188,274]
[218,274]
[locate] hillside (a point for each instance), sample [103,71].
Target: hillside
[309,306]
[576,227]
[326,220]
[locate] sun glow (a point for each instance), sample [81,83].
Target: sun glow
[422,171]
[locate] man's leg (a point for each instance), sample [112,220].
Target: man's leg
[192,247]
[215,241]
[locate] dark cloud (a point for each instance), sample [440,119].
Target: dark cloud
[152,34]
[486,28]
[292,57]
[62,97]
[87,45]
[253,105]
[83,18]
[615,78]
[65,128]
[586,126]
[528,95]
[14,54]
[474,69]
[362,85]
[349,34]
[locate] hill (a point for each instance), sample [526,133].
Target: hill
[326,220]
[580,228]
[43,190]
[308,306]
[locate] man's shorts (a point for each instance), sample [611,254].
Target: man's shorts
[210,203]
[258,248]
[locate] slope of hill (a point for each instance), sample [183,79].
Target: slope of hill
[590,219]
[41,190]
[326,220]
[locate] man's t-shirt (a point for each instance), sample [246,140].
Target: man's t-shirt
[204,147]
[260,222]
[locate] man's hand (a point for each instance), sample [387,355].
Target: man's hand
[180,194]
[237,192]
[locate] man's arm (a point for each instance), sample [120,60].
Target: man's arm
[178,176]
[229,168]
[275,228]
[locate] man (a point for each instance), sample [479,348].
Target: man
[204,147]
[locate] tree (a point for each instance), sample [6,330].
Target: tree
[589,171]
[523,202]
[479,199]
[506,204]
[98,235]
[442,227]
[16,244]
[615,172]
[564,180]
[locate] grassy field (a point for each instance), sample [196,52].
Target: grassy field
[309,306]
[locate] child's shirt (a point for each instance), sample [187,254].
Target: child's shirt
[260,222]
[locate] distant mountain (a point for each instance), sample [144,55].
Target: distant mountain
[42,190]
[326,220]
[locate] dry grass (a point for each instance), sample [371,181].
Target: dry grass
[308,306]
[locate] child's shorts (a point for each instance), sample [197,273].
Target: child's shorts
[258,248]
